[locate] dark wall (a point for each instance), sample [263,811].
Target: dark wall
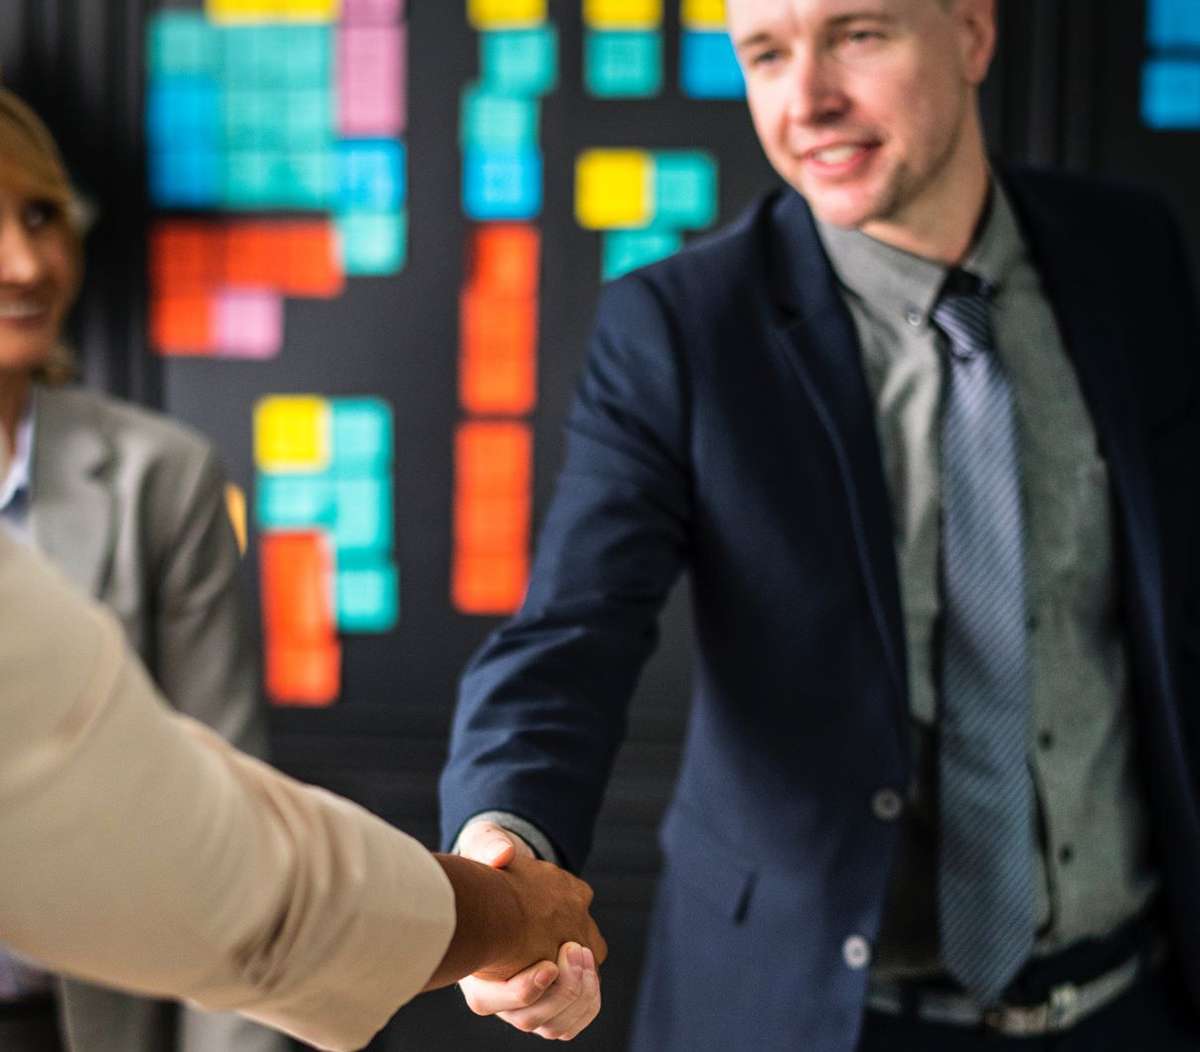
[1064,90]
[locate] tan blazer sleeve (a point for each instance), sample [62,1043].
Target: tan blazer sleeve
[141,850]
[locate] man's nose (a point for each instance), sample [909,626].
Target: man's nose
[20,261]
[817,95]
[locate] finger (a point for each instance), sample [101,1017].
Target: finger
[570,1023]
[491,997]
[488,843]
[597,942]
[562,997]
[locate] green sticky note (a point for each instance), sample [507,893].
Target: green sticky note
[362,434]
[520,61]
[308,179]
[685,189]
[373,242]
[308,122]
[491,121]
[626,250]
[183,42]
[363,517]
[253,118]
[623,64]
[368,596]
[294,502]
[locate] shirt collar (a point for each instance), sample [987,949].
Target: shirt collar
[905,287]
[16,483]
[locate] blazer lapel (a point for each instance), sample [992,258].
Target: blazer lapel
[72,507]
[817,336]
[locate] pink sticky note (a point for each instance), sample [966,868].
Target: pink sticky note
[249,323]
[371,12]
[372,80]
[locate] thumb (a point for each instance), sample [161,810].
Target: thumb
[488,843]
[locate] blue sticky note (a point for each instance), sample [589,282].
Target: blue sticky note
[182,42]
[183,113]
[307,180]
[1174,23]
[371,175]
[1171,94]
[708,67]
[626,250]
[685,189]
[368,595]
[363,516]
[504,185]
[620,64]
[294,502]
[491,121]
[520,61]
[362,434]
[373,243]
[186,178]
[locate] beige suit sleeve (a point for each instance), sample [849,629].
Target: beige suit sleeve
[141,850]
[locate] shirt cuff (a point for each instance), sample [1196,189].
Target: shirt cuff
[538,842]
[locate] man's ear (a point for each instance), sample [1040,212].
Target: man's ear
[975,21]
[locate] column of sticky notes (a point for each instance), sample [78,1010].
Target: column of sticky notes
[323,505]
[263,106]
[708,66]
[1171,77]
[498,308]
[623,48]
[643,201]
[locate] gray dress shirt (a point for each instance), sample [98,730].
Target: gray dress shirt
[1094,869]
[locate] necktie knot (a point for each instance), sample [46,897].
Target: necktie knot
[963,313]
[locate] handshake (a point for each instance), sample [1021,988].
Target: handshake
[513,910]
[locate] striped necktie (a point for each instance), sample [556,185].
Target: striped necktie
[985,864]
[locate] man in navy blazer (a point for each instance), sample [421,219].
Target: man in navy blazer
[760,412]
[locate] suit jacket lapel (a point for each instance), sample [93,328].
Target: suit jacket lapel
[72,508]
[817,336]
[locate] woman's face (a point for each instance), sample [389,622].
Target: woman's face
[38,272]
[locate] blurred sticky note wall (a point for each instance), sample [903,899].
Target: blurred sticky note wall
[256,107]
[324,511]
[1171,75]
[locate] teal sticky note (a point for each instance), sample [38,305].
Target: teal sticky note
[294,502]
[368,596]
[308,122]
[685,189]
[254,118]
[307,56]
[520,61]
[623,64]
[493,122]
[626,250]
[362,435]
[308,180]
[256,179]
[182,42]
[373,243]
[363,515]
[246,61]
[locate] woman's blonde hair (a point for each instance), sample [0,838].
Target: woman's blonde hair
[28,148]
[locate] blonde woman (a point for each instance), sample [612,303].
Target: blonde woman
[131,507]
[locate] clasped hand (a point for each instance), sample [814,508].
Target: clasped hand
[559,995]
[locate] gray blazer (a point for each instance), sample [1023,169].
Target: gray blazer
[132,507]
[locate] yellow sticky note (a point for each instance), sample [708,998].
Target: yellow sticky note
[614,189]
[505,14]
[291,433]
[703,14]
[233,11]
[622,14]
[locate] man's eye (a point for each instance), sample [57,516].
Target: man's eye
[766,58]
[859,37]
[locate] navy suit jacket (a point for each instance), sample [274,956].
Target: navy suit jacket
[723,426]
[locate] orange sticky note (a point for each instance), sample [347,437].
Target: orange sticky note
[489,584]
[493,457]
[505,258]
[182,323]
[296,569]
[251,257]
[311,265]
[185,257]
[487,525]
[309,676]
[498,361]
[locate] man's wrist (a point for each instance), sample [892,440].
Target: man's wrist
[530,834]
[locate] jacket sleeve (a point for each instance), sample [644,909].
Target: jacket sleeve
[542,706]
[141,850]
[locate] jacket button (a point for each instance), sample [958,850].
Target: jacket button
[856,952]
[887,805]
